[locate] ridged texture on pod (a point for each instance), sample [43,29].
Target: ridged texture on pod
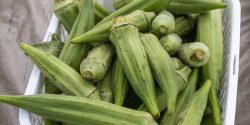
[194,6]
[161,97]
[211,23]
[97,62]
[177,63]
[149,6]
[72,54]
[64,77]
[163,23]
[138,18]
[162,68]
[133,59]
[66,11]
[183,98]
[193,111]
[120,84]
[183,25]
[79,111]
[171,43]
[195,54]
[117,4]
[105,87]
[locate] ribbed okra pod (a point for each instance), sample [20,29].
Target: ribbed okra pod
[163,23]
[193,111]
[97,62]
[66,11]
[117,4]
[72,54]
[182,76]
[178,64]
[146,5]
[133,59]
[162,67]
[120,84]
[183,25]
[183,98]
[63,76]
[105,87]
[195,54]
[194,6]
[79,111]
[171,43]
[211,23]
[138,18]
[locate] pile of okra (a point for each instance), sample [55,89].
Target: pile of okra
[149,62]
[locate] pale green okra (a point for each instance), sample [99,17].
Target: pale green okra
[171,43]
[105,87]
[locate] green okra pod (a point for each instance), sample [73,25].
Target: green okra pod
[120,84]
[138,18]
[117,4]
[183,97]
[194,6]
[195,54]
[182,76]
[126,39]
[105,87]
[162,68]
[63,76]
[211,22]
[171,43]
[146,5]
[183,25]
[72,54]
[163,23]
[100,11]
[97,62]
[78,110]
[193,111]
[177,63]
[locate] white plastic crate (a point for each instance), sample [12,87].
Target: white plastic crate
[231,27]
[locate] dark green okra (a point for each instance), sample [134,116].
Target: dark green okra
[120,84]
[171,43]
[72,54]
[138,18]
[162,67]
[62,75]
[105,87]
[97,62]
[183,97]
[182,76]
[194,6]
[195,54]
[78,110]
[211,23]
[163,23]
[193,111]
[126,39]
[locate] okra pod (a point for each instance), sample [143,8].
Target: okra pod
[72,54]
[211,23]
[195,54]
[120,84]
[63,76]
[126,39]
[183,25]
[192,113]
[163,23]
[117,4]
[79,111]
[162,68]
[97,62]
[105,87]
[194,6]
[182,76]
[183,97]
[178,64]
[146,5]
[138,18]
[100,11]
[171,43]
